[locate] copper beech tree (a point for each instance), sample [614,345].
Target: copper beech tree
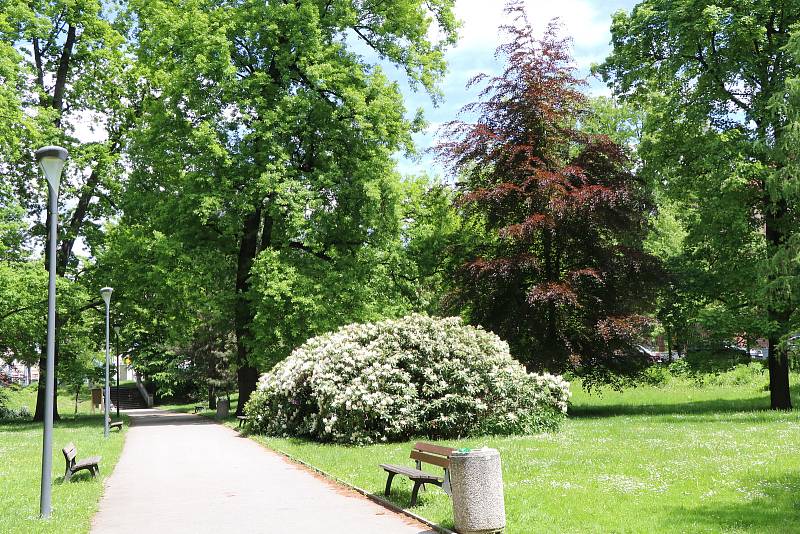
[562,274]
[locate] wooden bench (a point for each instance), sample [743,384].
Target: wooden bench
[242,419]
[70,452]
[199,408]
[421,453]
[114,424]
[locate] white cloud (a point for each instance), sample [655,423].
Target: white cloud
[588,26]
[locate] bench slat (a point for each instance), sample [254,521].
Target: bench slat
[94,460]
[69,452]
[410,472]
[435,449]
[430,459]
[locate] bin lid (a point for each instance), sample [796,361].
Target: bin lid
[483,451]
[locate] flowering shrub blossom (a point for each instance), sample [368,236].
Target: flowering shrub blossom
[390,380]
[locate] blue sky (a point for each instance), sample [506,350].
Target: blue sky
[587,22]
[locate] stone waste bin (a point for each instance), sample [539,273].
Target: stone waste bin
[223,407]
[476,483]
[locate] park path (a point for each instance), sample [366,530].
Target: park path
[184,473]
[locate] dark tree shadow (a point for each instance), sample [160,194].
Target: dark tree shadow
[690,408]
[72,421]
[718,406]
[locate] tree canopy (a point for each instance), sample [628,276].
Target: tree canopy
[562,274]
[713,76]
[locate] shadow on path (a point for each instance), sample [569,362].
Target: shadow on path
[155,417]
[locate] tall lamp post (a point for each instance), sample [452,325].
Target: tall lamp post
[51,160]
[106,293]
[116,345]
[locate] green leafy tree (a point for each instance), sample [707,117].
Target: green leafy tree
[564,277]
[12,226]
[63,65]
[434,239]
[270,138]
[172,297]
[23,310]
[713,76]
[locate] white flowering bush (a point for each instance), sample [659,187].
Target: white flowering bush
[394,379]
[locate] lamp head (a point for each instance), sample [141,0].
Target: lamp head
[51,159]
[116,329]
[106,293]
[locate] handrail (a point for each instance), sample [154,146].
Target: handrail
[148,398]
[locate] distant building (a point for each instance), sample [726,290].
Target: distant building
[16,372]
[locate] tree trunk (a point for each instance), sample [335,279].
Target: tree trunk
[669,346]
[212,398]
[247,378]
[40,388]
[247,374]
[778,360]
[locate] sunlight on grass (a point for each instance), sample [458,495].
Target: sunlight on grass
[74,503]
[671,459]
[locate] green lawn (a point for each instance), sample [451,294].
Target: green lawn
[74,503]
[671,459]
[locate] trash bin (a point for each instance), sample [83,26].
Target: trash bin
[223,407]
[476,483]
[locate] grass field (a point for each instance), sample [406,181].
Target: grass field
[74,503]
[677,458]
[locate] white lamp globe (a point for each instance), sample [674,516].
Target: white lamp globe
[51,159]
[106,293]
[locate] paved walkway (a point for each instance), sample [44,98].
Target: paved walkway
[184,473]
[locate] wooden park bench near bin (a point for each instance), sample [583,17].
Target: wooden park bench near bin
[112,425]
[91,464]
[421,453]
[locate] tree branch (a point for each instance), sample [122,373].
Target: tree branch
[19,310]
[305,248]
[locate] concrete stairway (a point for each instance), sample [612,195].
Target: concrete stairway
[129,398]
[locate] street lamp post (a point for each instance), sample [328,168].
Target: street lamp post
[106,293]
[51,160]
[116,339]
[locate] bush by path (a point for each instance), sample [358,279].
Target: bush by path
[418,375]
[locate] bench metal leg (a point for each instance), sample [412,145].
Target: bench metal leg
[67,475]
[414,493]
[389,484]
